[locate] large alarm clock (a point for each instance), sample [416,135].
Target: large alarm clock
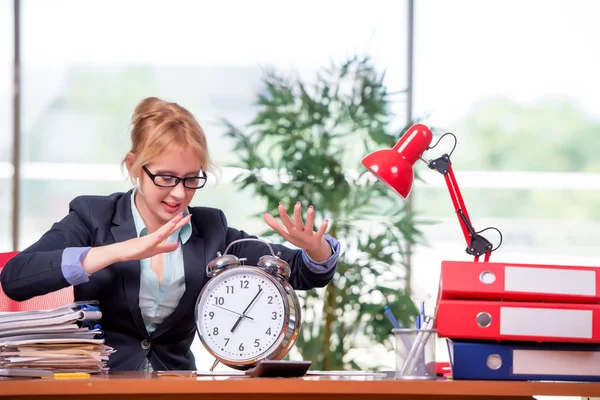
[245,313]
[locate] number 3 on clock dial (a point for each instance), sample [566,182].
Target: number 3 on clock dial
[242,315]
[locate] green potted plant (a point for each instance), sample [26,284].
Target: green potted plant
[305,144]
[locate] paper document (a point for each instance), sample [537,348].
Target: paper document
[346,373]
[61,340]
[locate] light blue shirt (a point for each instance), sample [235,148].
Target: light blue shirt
[159,300]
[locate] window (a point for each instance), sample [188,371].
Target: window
[514,81]
[6,127]
[82,82]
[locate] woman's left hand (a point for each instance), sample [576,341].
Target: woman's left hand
[302,234]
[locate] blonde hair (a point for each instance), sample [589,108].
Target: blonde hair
[158,125]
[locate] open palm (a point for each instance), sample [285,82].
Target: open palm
[295,231]
[155,243]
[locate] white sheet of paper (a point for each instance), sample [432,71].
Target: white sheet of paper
[346,373]
[201,373]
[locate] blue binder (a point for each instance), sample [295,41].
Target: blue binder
[524,361]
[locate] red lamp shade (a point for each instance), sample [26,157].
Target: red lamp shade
[394,166]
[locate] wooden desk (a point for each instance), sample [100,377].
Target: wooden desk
[150,386]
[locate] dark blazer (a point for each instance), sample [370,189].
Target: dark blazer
[103,220]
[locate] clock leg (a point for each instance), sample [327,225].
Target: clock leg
[214,364]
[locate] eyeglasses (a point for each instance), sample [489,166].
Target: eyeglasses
[192,182]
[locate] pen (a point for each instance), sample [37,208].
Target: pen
[421,316]
[416,356]
[396,325]
[391,318]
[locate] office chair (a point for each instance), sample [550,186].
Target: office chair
[48,301]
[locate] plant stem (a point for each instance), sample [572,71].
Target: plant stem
[329,312]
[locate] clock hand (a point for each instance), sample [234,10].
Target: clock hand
[235,312]
[237,323]
[244,313]
[252,302]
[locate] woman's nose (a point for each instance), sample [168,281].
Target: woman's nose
[178,191]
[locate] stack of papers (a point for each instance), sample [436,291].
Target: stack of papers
[59,340]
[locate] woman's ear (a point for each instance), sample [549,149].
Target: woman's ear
[129,160]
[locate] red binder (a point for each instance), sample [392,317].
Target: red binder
[538,322]
[519,282]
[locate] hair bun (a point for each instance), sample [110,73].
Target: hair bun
[149,108]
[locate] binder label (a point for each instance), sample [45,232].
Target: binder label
[550,280]
[546,322]
[556,362]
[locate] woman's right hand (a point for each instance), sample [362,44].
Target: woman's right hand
[134,249]
[154,243]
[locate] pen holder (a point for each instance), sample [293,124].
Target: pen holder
[415,353]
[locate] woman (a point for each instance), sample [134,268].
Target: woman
[143,254]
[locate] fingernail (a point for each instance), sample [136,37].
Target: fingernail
[159,236]
[280,203]
[310,206]
[326,221]
[297,202]
[181,213]
[174,221]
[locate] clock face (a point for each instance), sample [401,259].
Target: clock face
[241,314]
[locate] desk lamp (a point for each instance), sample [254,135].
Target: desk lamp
[394,167]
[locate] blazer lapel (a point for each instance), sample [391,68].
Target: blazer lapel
[194,265]
[124,229]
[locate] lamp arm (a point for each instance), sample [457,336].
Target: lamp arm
[477,245]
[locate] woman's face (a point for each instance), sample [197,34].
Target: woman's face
[158,205]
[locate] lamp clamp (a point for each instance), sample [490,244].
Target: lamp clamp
[478,245]
[440,164]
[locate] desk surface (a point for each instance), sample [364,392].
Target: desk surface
[151,386]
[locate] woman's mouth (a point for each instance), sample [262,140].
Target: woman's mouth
[171,208]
